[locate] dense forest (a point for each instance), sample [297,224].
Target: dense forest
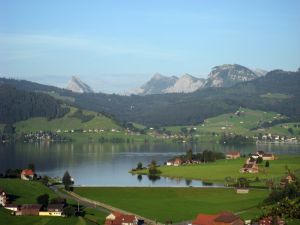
[278,91]
[16,105]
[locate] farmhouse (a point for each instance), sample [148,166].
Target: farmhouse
[233,155]
[178,162]
[29,210]
[268,156]
[249,168]
[224,218]
[117,218]
[12,207]
[3,197]
[27,174]
[53,210]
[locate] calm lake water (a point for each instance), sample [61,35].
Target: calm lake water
[96,164]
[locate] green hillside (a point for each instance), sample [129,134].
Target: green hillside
[67,122]
[245,122]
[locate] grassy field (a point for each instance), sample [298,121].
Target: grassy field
[217,171]
[66,123]
[26,192]
[176,204]
[242,124]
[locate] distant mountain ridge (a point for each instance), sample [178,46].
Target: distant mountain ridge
[76,85]
[225,75]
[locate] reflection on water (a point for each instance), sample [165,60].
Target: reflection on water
[108,164]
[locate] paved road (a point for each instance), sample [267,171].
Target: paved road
[99,205]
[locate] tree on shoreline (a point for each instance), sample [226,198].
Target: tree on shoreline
[67,181]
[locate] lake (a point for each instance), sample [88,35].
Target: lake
[95,164]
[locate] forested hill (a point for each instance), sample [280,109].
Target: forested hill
[278,91]
[16,105]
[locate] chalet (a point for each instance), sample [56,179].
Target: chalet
[224,218]
[29,210]
[268,156]
[27,174]
[117,218]
[249,168]
[3,197]
[178,162]
[233,155]
[53,210]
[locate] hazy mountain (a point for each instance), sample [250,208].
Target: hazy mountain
[76,85]
[225,75]
[228,75]
[186,84]
[156,85]
[260,72]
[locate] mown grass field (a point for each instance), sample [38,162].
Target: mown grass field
[26,192]
[176,204]
[219,170]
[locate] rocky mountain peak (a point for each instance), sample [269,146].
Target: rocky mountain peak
[76,85]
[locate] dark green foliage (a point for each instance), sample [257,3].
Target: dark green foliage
[139,166]
[69,211]
[259,160]
[289,191]
[16,105]
[235,140]
[153,168]
[286,208]
[58,200]
[189,154]
[31,166]
[43,200]
[45,180]
[13,173]
[79,115]
[242,182]
[67,181]
[267,164]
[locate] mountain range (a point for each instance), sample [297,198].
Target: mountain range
[225,75]
[277,91]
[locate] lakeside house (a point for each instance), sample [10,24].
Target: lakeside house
[223,218]
[53,210]
[268,156]
[3,197]
[117,218]
[233,155]
[27,174]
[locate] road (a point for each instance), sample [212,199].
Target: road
[96,204]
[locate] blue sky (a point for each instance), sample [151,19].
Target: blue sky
[118,45]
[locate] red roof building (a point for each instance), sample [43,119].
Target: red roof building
[117,218]
[224,218]
[27,174]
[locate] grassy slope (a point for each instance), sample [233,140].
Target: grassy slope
[177,204]
[217,171]
[26,192]
[241,124]
[66,123]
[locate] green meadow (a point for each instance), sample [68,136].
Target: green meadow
[219,170]
[26,192]
[176,204]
